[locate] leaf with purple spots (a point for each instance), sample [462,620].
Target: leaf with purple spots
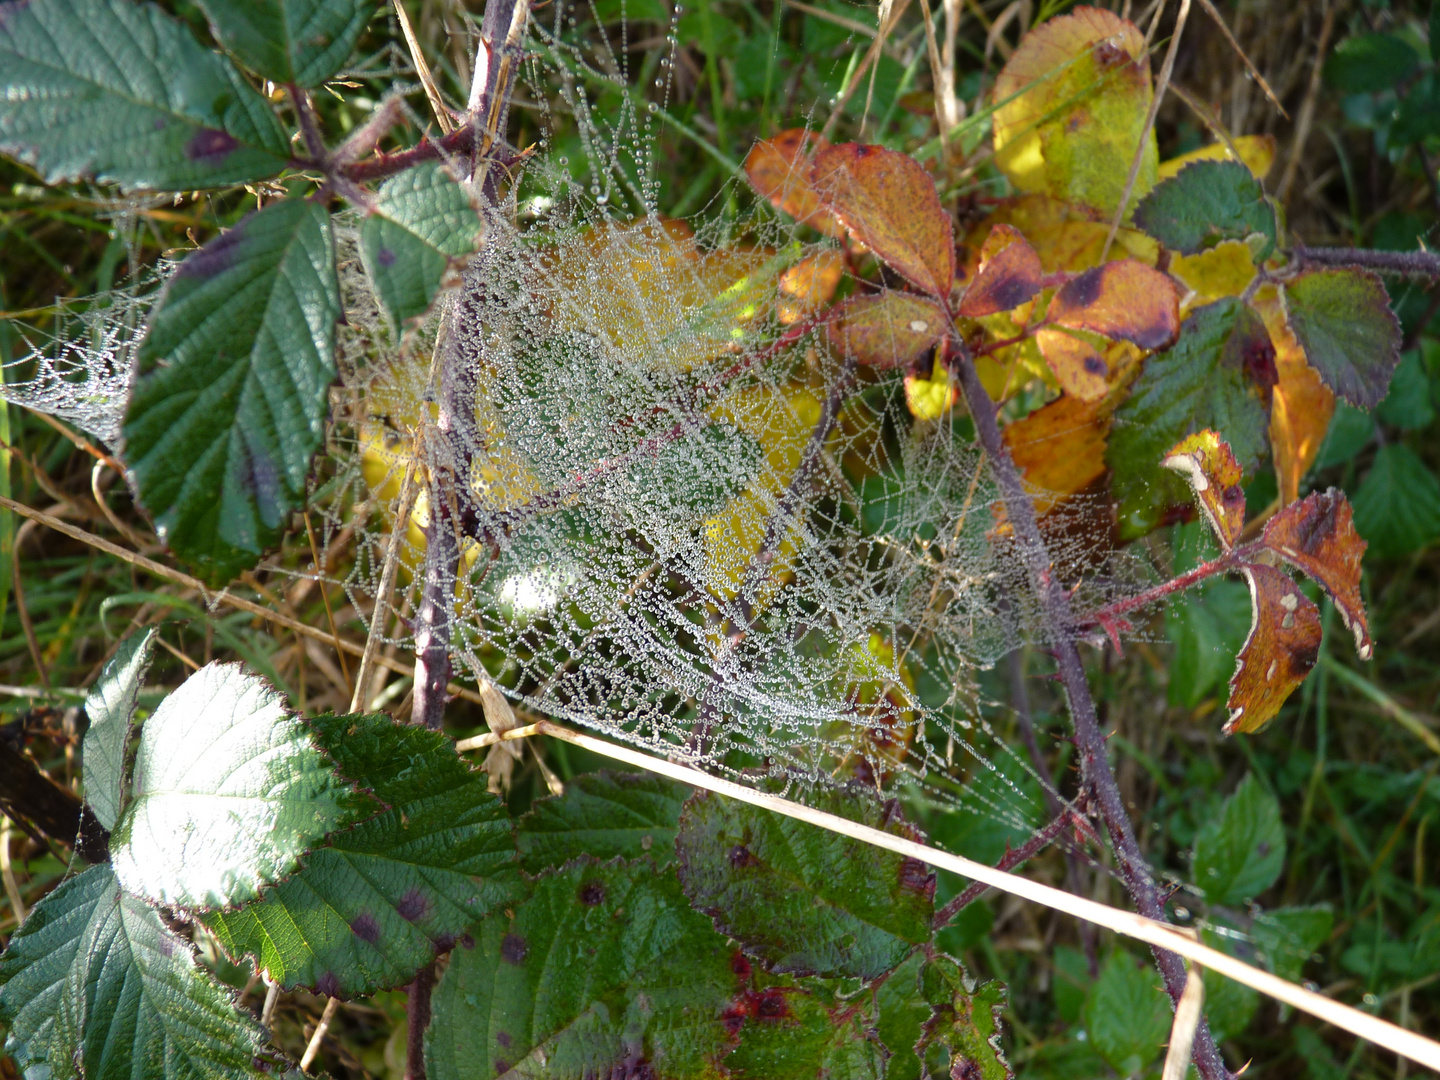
[290,41]
[89,89]
[380,900]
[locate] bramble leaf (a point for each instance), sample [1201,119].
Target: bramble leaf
[1285,937]
[1198,383]
[887,330]
[233,387]
[1240,853]
[1208,202]
[95,984]
[1060,447]
[929,397]
[89,88]
[1318,538]
[779,170]
[1397,509]
[1009,274]
[801,899]
[1126,1014]
[889,202]
[1301,405]
[1343,321]
[603,814]
[1123,300]
[965,1023]
[604,967]
[290,41]
[110,708]
[809,284]
[375,904]
[1075,95]
[422,222]
[1364,63]
[790,1032]
[1281,649]
[1078,366]
[228,793]
[1206,460]
[1257,153]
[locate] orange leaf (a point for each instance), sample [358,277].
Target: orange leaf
[1282,647]
[778,170]
[1078,367]
[1209,464]
[887,330]
[809,284]
[1010,274]
[1301,404]
[890,203]
[1125,300]
[1318,537]
[1060,448]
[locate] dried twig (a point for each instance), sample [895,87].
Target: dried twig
[1307,106]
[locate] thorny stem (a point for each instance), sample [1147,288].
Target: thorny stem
[1405,263]
[1095,771]
[1013,857]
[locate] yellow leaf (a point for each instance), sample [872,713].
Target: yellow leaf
[1224,270]
[1257,153]
[930,399]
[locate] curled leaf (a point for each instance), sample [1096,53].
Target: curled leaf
[1078,367]
[1301,405]
[887,330]
[890,203]
[779,170]
[809,285]
[1010,274]
[1124,301]
[1343,321]
[1208,463]
[1282,647]
[1318,537]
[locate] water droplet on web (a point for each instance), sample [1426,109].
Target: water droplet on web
[654,108]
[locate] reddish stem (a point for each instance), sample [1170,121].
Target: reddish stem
[1013,857]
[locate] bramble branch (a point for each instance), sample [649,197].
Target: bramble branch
[1013,857]
[1402,263]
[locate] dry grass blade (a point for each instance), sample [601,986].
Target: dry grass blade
[313,1047]
[12,887]
[881,37]
[1307,107]
[1211,10]
[422,69]
[937,73]
[1188,1011]
[325,599]
[386,587]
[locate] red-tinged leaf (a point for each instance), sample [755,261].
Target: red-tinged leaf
[1124,300]
[1343,321]
[1078,367]
[891,206]
[887,330]
[1208,463]
[1283,646]
[809,284]
[1010,274]
[779,170]
[1317,536]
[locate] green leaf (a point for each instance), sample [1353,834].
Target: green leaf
[229,792]
[95,983]
[110,708]
[603,814]
[122,93]
[903,1014]
[1286,937]
[1370,62]
[378,901]
[299,41]
[1407,406]
[421,221]
[1397,509]
[1343,321]
[798,1032]
[1207,202]
[1239,854]
[1205,380]
[233,387]
[604,967]
[800,898]
[1207,625]
[965,1024]
[1126,1013]
[1350,431]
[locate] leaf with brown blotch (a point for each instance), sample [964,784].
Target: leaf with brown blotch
[888,329]
[1282,647]
[1010,274]
[778,170]
[1208,463]
[889,202]
[1124,301]
[809,284]
[1078,366]
[1318,537]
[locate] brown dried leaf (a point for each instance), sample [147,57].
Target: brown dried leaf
[809,284]
[1318,537]
[1282,647]
[1078,366]
[779,170]
[888,329]
[1209,464]
[1124,300]
[1010,274]
[889,202]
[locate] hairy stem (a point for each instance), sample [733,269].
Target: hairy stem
[1095,771]
[1013,857]
[1404,263]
